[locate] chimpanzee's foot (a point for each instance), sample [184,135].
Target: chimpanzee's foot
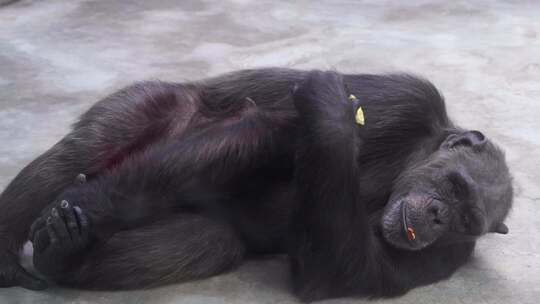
[59,238]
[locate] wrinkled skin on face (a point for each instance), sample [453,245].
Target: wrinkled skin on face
[461,191]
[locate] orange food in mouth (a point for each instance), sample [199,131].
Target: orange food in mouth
[410,234]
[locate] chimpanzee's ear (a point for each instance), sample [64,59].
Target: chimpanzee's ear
[500,228]
[468,138]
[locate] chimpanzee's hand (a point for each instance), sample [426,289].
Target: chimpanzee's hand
[13,274]
[327,114]
[322,93]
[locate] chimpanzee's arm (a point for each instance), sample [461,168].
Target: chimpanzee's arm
[333,241]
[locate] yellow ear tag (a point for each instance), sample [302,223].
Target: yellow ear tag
[360,116]
[359,113]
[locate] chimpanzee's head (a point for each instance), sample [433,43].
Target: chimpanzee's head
[460,192]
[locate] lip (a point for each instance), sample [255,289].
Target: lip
[404,221]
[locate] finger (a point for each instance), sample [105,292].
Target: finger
[28,281]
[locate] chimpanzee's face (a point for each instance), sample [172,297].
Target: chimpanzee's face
[462,191]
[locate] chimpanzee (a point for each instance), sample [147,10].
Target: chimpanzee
[168,182]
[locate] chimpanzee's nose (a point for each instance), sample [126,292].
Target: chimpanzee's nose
[437,214]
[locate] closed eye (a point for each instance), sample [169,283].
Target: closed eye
[460,187]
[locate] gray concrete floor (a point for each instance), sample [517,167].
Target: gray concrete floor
[58,57]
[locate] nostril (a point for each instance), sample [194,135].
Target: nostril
[435,213]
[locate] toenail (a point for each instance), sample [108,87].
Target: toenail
[64,204]
[81,178]
[54,212]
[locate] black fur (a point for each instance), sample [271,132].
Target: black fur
[182,181]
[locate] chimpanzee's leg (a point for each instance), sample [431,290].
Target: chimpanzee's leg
[112,129]
[117,125]
[179,248]
[190,172]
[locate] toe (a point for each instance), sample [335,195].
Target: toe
[40,241]
[82,220]
[37,225]
[53,237]
[80,179]
[70,219]
[59,225]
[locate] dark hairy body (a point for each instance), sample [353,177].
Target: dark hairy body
[183,181]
